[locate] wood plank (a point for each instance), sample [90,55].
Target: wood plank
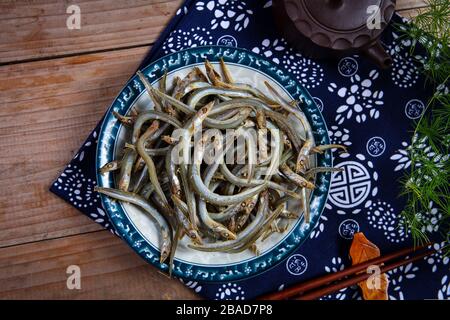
[411,13]
[109,270]
[48,109]
[410,4]
[37,29]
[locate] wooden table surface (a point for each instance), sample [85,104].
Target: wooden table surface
[55,84]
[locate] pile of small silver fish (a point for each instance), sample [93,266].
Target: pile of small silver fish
[219,207]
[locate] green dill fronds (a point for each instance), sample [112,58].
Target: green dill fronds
[426,185]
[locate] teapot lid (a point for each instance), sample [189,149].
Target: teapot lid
[340,24]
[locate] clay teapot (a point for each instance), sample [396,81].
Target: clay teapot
[334,28]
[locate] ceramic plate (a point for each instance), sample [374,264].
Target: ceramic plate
[138,230]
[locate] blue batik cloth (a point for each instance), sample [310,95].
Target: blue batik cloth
[366,109]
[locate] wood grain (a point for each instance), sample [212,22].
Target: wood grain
[109,269]
[409,4]
[411,13]
[37,29]
[48,108]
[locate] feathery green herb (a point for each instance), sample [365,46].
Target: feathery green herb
[426,184]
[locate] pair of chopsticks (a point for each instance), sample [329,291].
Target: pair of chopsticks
[330,283]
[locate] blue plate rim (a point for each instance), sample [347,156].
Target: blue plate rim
[297,235]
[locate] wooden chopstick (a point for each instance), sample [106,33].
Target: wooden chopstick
[324,280]
[358,278]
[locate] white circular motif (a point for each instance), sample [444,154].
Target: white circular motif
[375,146]
[230,291]
[79,189]
[296,264]
[180,39]
[404,70]
[309,73]
[319,103]
[348,228]
[227,40]
[347,66]
[414,109]
[350,187]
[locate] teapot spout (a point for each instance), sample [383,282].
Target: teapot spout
[378,55]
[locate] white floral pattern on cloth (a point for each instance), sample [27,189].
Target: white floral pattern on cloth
[438,259]
[182,11]
[340,135]
[308,72]
[268,4]
[355,187]
[269,47]
[180,39]
[91,142]
[444,291]
[382,216]
[227,13]
[336,265]
[319,228]
[361,101]
[351,292]
[430,219]
[230,291]
[194,285]
[397,277]
[79,188]
[404,71]
[403,157]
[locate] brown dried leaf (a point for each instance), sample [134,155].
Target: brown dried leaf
[362,250]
